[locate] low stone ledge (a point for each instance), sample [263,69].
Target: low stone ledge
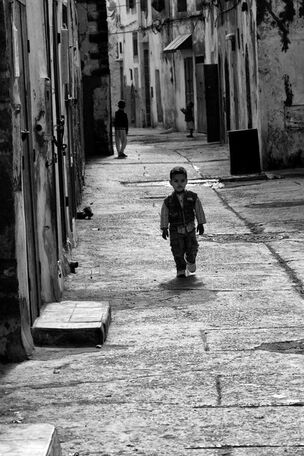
[29,440]
[72,323]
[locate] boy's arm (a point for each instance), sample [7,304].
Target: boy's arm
[199,212]
[200,216]
[164,217]
[164,221]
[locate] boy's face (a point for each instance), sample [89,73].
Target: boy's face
[179,182]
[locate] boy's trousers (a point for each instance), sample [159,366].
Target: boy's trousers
[183,245]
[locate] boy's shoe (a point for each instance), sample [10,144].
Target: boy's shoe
[191,267]
[181,273]
[123,155]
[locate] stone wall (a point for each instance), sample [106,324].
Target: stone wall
[281,88]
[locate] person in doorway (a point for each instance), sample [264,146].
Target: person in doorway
[178,213]
[121,126]
[189,118]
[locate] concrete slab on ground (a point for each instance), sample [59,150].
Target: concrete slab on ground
[72,323]
[29,440]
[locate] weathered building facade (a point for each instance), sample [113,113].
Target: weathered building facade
[240,62]
[261,58]
[41,160]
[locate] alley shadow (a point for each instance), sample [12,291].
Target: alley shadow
[183,283]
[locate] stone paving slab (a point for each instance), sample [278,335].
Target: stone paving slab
[29,440]
[76,323]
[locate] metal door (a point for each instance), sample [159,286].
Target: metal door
[28,160]
[212,102]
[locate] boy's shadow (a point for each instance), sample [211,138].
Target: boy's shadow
[183,283]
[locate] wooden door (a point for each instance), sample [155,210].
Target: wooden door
[212,102]
[200,97]
[28,161]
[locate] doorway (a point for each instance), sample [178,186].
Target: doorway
[147,86]
[200,95]
[159,106]
[212,102]
[188,67]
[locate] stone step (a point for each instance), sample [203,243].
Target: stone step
[29,440]
[72,323]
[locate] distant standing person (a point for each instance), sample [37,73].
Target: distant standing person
[121,126]
[189,118]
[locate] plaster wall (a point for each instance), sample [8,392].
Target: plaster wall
[281,87]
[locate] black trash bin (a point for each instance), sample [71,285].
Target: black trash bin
[244,151]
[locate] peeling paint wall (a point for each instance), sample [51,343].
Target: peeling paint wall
[93,32]
[281,83]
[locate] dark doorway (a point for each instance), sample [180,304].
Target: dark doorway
[227,98]
[133,105]
[212,102]
[201,98]
[188,65]
[159,107]
[248,89]
[28,159]
[147,86]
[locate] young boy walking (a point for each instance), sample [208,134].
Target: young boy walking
[121,129]
[178,212]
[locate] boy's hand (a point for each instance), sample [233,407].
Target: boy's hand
[200,229]
[165,233]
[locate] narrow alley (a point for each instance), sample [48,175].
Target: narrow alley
[208,365]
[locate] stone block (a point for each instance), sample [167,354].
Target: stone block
[29,440]
[72,323]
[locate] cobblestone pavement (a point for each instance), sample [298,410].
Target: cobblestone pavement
[209,365]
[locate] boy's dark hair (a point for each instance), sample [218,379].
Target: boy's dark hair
[121,104]
[178,170]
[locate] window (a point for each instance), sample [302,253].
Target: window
[130,4]
[181,5]
[131,75]
[135,44]
[143,5]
